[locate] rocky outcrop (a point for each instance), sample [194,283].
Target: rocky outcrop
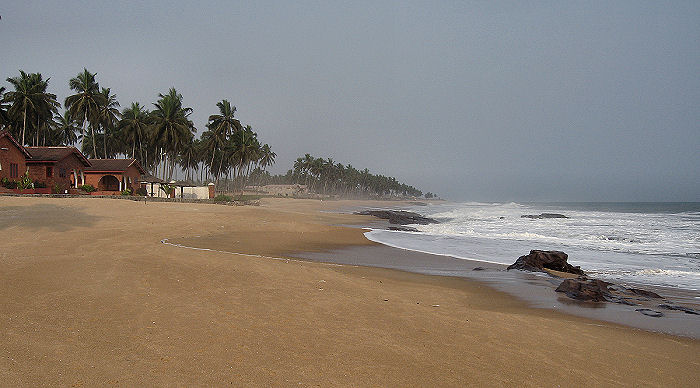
[686,310]
[543,215]
[596,290]
[399,217]
[403,229]
[538,261]
[584,289]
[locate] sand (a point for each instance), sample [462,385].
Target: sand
[89,296]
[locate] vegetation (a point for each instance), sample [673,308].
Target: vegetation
[327,177]
[164,140]
[87,188]
[223,198]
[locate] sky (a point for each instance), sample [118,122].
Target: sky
[473,100]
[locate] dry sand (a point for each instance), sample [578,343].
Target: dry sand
[89,296]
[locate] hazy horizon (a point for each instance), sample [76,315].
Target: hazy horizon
[552,101]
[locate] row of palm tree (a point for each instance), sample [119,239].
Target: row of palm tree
[162,140]
[330,178]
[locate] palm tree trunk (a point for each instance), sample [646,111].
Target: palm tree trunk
[104,140]
[24,128]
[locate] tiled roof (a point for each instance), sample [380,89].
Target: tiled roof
[53,154]
[118,165]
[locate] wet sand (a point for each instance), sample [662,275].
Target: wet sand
[90,296]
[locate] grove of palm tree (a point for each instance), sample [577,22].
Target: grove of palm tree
[164,139]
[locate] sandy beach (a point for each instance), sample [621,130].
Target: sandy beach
[90,296]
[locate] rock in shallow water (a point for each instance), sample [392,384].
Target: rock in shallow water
[585,289]
[543,215]
[399,217]
[538,261]
[651,313]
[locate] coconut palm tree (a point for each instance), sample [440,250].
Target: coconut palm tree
[132,128]
[84,105]
[108,116]
[221,126]
[4,116]
[29,100]
[170,127]
[65,129]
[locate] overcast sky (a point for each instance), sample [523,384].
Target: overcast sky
[487,101]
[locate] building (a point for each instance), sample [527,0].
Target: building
[13,157]
[60,167]
[113,174]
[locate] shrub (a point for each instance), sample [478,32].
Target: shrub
[126,191]
[141,191]
[25,182]
[87,188]
[57,189]
[222,198]
[9,184]
[39,185]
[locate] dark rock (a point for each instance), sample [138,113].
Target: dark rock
[651,313]
[478,269]
[399,217]
[543,215]
[501,218]
[584,289]
[538,260]
[644,293]
[596,290]
[403,229]
[686,310]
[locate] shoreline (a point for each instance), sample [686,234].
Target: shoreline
[103,301]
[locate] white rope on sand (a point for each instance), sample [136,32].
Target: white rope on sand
[166,242]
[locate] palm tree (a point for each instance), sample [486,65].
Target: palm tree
[84,105]
[170,127]
[65,129]
[221,126]
[4,116]
[30,99]
[133,127]
[108,116]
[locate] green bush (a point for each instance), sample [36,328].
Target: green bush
[87,188]
[9,184]
[127,191]
[141,192]
[25,182]
[222,198]
[57,189]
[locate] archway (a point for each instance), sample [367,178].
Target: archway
[108,183]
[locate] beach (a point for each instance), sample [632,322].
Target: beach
[106,292]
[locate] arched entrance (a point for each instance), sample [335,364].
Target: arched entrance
[108,183]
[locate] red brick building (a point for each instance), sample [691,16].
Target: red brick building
[63,167]
[113,174]
[13,157]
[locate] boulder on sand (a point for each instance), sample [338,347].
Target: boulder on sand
[538,261]
[543,215]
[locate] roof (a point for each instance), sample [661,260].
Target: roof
[150,179]
[54,154]
[12,139]
[113,165]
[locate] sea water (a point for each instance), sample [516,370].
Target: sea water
[636,243]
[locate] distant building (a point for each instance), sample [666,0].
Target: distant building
[13,157]
[57,166]
[114,174]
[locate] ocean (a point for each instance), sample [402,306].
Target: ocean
[630,243]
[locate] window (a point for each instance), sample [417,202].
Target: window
[49,171]
[13,170]
[62,172]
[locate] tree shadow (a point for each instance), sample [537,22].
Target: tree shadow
[44,216]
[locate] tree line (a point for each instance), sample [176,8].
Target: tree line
[161,139]
[326,177]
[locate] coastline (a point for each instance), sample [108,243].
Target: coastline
[116,306]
